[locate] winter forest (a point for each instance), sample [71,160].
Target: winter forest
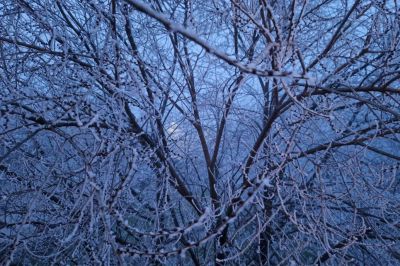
[200,132]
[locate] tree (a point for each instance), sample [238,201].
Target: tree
[200,132]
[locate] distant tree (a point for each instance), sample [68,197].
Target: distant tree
[185,132]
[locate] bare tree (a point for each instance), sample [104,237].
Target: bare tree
[200,132]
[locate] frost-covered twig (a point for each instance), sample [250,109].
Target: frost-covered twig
[174,27]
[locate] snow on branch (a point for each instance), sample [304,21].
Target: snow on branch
[174,27]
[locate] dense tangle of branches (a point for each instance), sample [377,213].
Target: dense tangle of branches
[188,132]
